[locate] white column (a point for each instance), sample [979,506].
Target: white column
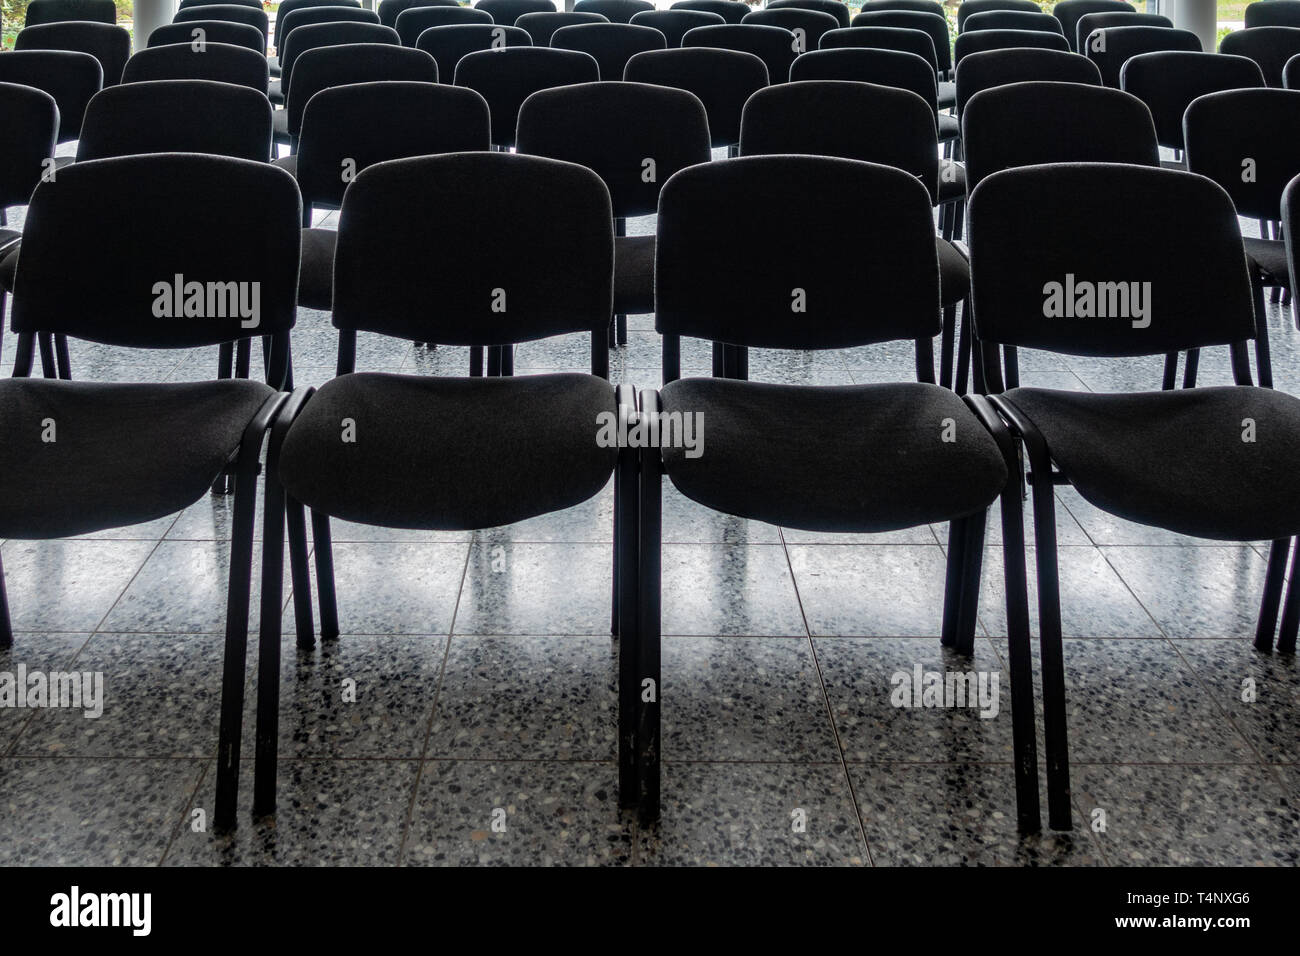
[148,15]
[1199,16]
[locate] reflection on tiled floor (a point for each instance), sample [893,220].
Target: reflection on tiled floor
[467,715]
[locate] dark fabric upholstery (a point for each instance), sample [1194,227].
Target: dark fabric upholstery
[954,274]
[231,13]
[1275,13]
[731,11]
[316,35]
[916,6]
[110,297]
[588,124]
[1270,47]
[411,256]
[57,11]
[610,44]
[947,94]
[306,16]
[1167,82]
[983,71]
[1115,18]
[949,127]
[71,78]
[1176,459]
[813,23]
[218,62]
[289,6]
[982,40]
[316,274]
[722,80]
[507,77]
[540,26]
[772,45]
[1117,44]
[1012,20]
[1291,73]
[1069,12]
[110,45]
[275,93]
[31,124]
[673,24]
[1269,256]
[836,8]
[843,458]
[916,42]
[200,3]
[280,126]
[390,10]
[1222,129]
[124,453]
[904,71]
[969,8]
[1025,226]
[8,240]
[8,266]
[411,23]
[449,453]
[1290,226]
[506,12]
[878,282]
[214,31]
[634,274]
[615,11]
[448,44]
[933,24]
[324,67]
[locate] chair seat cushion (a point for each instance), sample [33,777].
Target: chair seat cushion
[954,274]
[449,453]
[280,126]
[947,94]
[8,240]
[1270,256]
[273,63]
[1177,459]
[8,266]
[121,454]
[845,458]
[316,273]
[634,274]
[949,128]
[275,92]
[288,163]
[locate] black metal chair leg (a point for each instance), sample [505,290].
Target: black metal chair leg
[329,612]
[62,360]
[947,343]
[959,212]
[963,350]
[1271,600]
[1286,635]
[619,494]
[620,328]
[225,369]
[952,581]
[1189,369]
[1170,380]
[476,361]
[650,688]
[242,350]
[969,586]
[301,576]
[45,343]
[625,589]
[1263,359]
[493,361]
[6,624]
[268,653]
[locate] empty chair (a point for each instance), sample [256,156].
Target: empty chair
[230,13]
[982,41]
[836,8]
[316,35]
[58,11]
[1069,12]
[983,71]
[731,11]
[541,26]
[933,7]
[773,45]
[1272,13]
[390,10]
[1167,82]
[411,23]
[673,24]
[721,79]
[615,11]
[303,16]
[507,77]
[110,45]
[1111,48]
[288,8]
[238,3]
[219,62]
[210,31]
[70,77]
[968,8]
[917,42]
[931,23]
[808,26]
[506,12]
[610,44]
[448,44]
[1012,20]
[1270,47]
[1115,18]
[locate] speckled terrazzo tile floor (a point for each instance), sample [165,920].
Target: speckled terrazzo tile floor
[468,713]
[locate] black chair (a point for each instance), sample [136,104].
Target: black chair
[184,4]
[588,124]
[390,10]
[128,453]
[1012,20]
[1270,47]
[933,24]
[506,12]
[1069,12]
[983,41]
[916,42]
[229,13]
[1115,18]
[731,11]
[615,11]
[992,68]
[773,45]
[432,454]
[611,45]
[303,16]
[541,26]
[70,77]
[968,8]
[209,31]
[448,44]
[411,23]
[219,62]
[288,8]
[1168,459]
[110,45]
[836,8]
[1291,73]
[721,79]
[507,77]
[314,36]
[933,7]
[808,26]
[1112,47]
[59,11]
[673,24]
[856,240]
[1273,13]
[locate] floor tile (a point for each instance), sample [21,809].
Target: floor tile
[877,591]
[714,589]
[68,585]
[521,588]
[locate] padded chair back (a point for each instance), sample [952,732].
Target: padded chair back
[808,117]
[506,12]
[931,23]
[878,282]
[71,78]
[1069,12]
[110,45]
[1085,220]
[1115,18]
[916,42]
[1167,82]
[229,12]
[31,131]
[184,4]
[411,23]
[507,77]
[1270,47]
[902,71]
[1273,13]
[615,11]
[773,45]
[1290,223]
[721,79]
[354,125]
[836,8]
[448,44]
[915,6]
[970,8]
[390,10]
[1027,124]
[329,66]
[1231,133]
[610,44]
[1012,20]
[984,40]
[289,6]
[1112,47]
[541,26]
[313,36]
[673,24]
[219,62]
[588,124]
[209,31]
[731,11]
[177,116]
[304,16]
[808,26]
[79,220]
[59,11]
[1291,73]
[984,71]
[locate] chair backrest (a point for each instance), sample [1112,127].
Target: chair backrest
[836,8]
[721,79]
[209,31]
[933,7]
[177,116]
[1069,12]
[1067,289]
[58,11]
[219,62]
[1115,18]
[448,44]
[1027,124]
[876,281]
[411,23]
[1270,47]
[507,77]
[31,130]
[229,12]
[610,44]
[901,71]
[970,8]
[731,11]
[390,10]
[1245,141]
[1291,73]
[124,293]
[289,6]
[541,26]
[615,11]
[984,40]
[71,78]
[773,45]
[808,26]
[184,4]
[346,129]
[460,250]
[1273,13]
[889,126]
[1290,223]
[1168,81]
[328,66]
[506,12]
[1112,47]
[316,35]
[916,42]
[588,124]
[931,23]
[984,71]
[673,24]
[304,16]
[1012,20]
[110,45]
